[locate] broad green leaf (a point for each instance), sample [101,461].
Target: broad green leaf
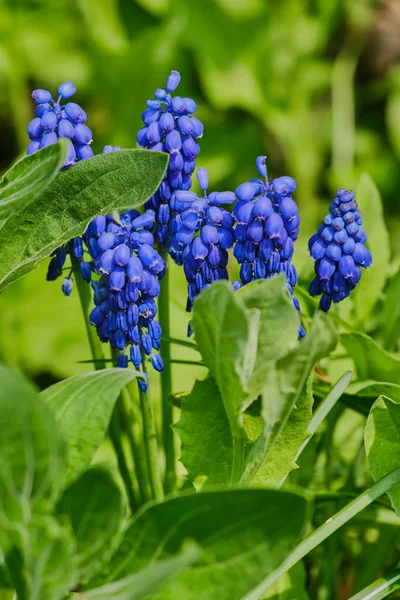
[206,449]
[204,429]
[291,586]
[206,441]
[279,324]
[82,406]
[95,507]
[32,451]
[42,563]
[371,360]
[284,385]
[244,535]
[29,177]
[390,330]
[361,395]
[145,582]
[372,281]
[104,183]
[382,442]
[381,588]
[226,335]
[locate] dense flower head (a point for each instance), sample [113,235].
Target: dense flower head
[267,224]
[129,267]
[203,235]
[339,251]
[169,126]
[55,120]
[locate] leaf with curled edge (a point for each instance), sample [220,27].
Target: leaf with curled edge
[99,185]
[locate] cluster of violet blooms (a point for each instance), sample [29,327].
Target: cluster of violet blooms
[123,258]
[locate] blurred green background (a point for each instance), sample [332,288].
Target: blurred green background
[313,84]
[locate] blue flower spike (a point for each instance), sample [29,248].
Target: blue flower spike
[267,225]
[54,120]
[123,255]
[169,126]
[203,235]
[339,251]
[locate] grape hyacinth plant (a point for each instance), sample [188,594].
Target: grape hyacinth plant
[267,226]
[339,251]
[169,126]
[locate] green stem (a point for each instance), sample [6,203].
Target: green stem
[132,418]
[86,300]
[172,340]
[116,439]
[97,354]
[182,361]
[323,532]
[150,442]
[135,437]
[166,384]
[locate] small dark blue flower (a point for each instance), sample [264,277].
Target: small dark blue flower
[339,251]
[67,286]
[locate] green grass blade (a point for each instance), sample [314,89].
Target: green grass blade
[381,588]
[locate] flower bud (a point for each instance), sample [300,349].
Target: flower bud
[173,81]
[67,89]
[41,96]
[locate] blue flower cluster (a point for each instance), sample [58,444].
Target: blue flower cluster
[129,267]
[267,226]
[198,231]
[339,251]
[204,234]
[170,127]
[54,120]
